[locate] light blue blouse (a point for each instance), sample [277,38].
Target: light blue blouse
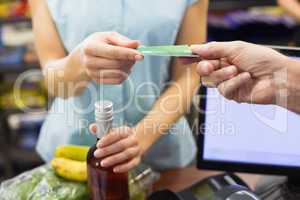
[154,22]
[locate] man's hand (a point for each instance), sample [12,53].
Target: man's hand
[241,71]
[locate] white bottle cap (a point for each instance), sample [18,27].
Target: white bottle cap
[103,117]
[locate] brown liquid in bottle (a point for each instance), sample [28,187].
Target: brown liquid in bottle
[103,183]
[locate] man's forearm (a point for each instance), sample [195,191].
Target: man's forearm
[294,86]
[288,92]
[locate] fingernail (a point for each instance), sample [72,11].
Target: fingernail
[99,144]
[230,71]
[139,57]
[205,66]
[95,154]
[138,42]
[98,154]
[246,76]
[197,48]
[103,164]
[116,170]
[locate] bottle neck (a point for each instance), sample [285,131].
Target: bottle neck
[103,128]
[104,132]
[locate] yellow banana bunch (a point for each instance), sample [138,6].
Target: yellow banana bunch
[72,152]
[72,170]
[70,162]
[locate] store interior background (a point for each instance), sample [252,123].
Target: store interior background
[261,22]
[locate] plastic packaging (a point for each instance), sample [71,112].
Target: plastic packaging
[42,183]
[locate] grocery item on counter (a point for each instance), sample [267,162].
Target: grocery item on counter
[142,176]
[56,183]
[70,162]
[72,170]
[66,178]
[43,183]
[103,183]
[73,152]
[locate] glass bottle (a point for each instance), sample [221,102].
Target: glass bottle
[103,183]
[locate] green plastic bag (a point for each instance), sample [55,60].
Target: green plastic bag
[43,184]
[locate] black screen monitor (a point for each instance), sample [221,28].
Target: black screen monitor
[236,137]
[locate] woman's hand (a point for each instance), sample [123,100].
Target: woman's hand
[107,57]
[119,149]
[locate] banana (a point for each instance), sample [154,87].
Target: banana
[72,170]
[72,152]
[70,162]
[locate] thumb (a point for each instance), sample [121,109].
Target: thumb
[117,39]
[215,50]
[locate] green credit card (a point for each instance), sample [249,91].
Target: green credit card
[173,50]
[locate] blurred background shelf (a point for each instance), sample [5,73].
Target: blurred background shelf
[221,5]
[18,68]
[22,158]
[16,19]
[19,130]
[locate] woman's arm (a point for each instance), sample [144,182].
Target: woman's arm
[177,98]
[104,57]
[292,7]
[49,46]
[124,149]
